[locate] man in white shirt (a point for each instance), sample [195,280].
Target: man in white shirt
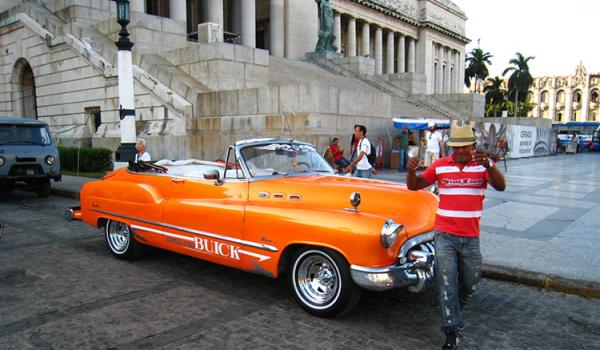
[435,145]
[363,167]
[140,146]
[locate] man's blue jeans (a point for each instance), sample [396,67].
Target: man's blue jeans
[363,173]
[402,159]
[458,270]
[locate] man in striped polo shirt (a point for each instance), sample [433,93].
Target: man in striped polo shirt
[462,179]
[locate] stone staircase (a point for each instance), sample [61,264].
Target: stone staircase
[173,87]
[419,105]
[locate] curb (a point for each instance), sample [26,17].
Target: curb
[582,288]
[555,283]
[65,193]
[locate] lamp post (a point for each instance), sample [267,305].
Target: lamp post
[126,151]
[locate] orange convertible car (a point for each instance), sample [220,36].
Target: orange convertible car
[273,207]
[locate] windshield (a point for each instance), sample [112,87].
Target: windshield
[24,135]
[283,159]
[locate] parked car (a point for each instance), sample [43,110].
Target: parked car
[29,158]
[273,207]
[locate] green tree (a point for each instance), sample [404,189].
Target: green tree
[494,96]
[477,62]
[520,79]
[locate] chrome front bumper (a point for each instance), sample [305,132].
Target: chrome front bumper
[416,272]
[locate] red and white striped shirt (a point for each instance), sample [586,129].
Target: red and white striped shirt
[462,190]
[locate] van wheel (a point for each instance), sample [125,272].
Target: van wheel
[321,282]
[44,189]
[120,241]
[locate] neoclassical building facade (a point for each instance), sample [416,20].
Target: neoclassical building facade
[209,72]
[423,36]
[567,98]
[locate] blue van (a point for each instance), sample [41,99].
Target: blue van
[29,158]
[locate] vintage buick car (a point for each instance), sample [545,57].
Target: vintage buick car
[273,207]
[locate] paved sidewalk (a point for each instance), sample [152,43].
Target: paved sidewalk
[542,231]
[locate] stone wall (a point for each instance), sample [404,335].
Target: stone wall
[223,66]
[66,84]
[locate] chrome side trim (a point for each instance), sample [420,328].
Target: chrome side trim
[409,244]
[266,247]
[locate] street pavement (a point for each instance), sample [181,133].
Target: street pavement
[542,231]
[60,288]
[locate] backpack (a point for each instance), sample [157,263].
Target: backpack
[372,156]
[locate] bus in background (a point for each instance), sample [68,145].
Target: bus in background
[595,144]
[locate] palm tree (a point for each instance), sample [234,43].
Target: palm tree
[494,93]
[477,61]
[520,80]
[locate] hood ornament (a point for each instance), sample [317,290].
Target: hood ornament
[355,200]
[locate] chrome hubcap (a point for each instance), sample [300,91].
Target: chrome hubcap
[118,236]
[317,280]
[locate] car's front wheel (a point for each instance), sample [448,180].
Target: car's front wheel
[321,282]
[120,241]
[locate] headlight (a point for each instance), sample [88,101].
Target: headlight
[1,161]
[50,160]
[389,233]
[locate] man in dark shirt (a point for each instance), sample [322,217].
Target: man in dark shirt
[402,148]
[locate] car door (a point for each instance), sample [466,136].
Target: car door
[204,218]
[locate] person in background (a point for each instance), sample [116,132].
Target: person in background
[379,153]
[435,146]
[462,179]
[403,142]
[338,153]
[140,146]
[363,167]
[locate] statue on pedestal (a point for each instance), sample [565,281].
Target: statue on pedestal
[326,36]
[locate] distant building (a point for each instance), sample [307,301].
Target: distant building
[567,98]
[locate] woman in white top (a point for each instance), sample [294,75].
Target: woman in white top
[140,146]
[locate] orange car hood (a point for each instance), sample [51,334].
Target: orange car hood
[414,209]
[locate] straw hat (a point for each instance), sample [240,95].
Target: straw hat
[461,136]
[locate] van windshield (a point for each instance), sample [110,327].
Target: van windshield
[24,135]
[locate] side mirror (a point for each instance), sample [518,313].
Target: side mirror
[213,174]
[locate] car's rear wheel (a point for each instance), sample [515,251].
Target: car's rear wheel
[120,241]
[321,282]
[44,188]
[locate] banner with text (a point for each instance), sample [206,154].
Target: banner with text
[522,141]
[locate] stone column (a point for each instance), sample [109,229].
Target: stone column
[177,10]
[401,61]
[389,60]
[585,102]
[248,22]
[411,54]
[351,44]
[337,31]
[447,77]
[552,105]
[568,105]
[439,88]
[378,51]
[277,27]
[214,11]
[461,71]
[236,17]
[366,40]
[137,6]
[457,82]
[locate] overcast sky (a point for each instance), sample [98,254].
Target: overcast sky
[558,33]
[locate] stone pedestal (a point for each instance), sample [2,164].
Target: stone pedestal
[329,55]
[358,64]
